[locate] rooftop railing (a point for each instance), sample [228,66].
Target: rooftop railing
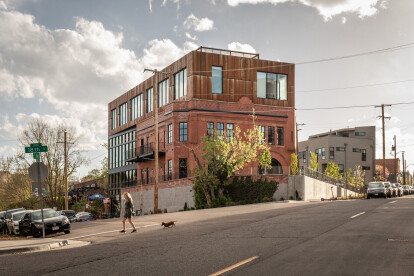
[227,52]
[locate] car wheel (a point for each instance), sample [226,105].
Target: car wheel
[35,232]
[67,231]
[368,197]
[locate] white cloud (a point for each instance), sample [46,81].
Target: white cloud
[237,46]
[76,71]
[189,36]
[327,8]
[197,24]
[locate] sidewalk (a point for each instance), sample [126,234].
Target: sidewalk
[27,245]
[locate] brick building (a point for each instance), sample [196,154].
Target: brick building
[208,90]
[392,166]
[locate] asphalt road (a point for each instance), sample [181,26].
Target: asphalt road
[359,237]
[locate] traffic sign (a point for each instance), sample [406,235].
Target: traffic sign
[36,187]
[36,156]
[35,149]
[38,171]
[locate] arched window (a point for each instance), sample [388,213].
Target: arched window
[276,168]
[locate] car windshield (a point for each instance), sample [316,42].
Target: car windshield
[46,214]
[387,185]
[376,185]
[18,216]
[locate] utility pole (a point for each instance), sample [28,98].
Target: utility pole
[65,176]
[403,164]
[383,137]
[155,109]
[297,137]
[395,158]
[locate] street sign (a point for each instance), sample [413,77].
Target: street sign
[38,171]
[36,156]
[35,149]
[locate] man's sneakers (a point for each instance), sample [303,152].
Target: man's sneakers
[122,231]
[135,230]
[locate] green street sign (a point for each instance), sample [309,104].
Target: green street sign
[35,149]
[36,145]
[36,156]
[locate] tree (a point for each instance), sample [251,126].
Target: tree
[39,131]
[350,178]
[332,170]
[314,165]
[222,158]
[359,179]
[294,164]
[100,174]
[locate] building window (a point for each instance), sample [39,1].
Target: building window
[136,107]
[366,168]
[280,136]
[364,155]
[305,156]
[142,176]
[340,149]
[323,153]
[271,86]
[220,129]
[341,168]
[217,80]
[271,136]
[331,153]
[180,84]
[263,130]
[169,173]
[183,168]
[359,133]
[210,129]
[183,132]
[356,150]
[230,131]
[122,114]
[150,100]
[163,93]
[170,133]
[148,175]
[113,118]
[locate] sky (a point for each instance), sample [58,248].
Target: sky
[64,61]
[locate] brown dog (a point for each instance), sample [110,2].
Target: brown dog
[168,224]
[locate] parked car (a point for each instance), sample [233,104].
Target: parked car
[411,189]
[3,222]
[9,214]
[70,214]
[13,222]
[389,188]
[406,189]
[31,223]
[395,189]
[84,216]
[399,189]
[376,189]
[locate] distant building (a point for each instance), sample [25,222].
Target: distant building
[347,148]
[390,166]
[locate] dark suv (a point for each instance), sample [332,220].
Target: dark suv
[376,189]
[3,222]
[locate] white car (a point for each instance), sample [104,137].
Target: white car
[13,223]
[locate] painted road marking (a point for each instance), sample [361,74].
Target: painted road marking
[112,231]
[358,215]
[234,266]
[393,201]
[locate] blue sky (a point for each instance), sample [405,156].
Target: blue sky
[63,61]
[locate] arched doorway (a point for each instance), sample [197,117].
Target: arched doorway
[276,168]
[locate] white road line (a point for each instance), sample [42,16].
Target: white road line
[393,201]
[112,231]
[357,215]
[234,266]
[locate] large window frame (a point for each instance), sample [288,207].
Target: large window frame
[183,131]
[230,131]
[136,104]
[210,129]
[280,136]
[272,86]
[149,95]
[220,129]
[180,84]
[113,118]
[217,80]
[271,135]
[170,133]
[162,92]
[123,114]
[182,170]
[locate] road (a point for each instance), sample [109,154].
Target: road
[356,237]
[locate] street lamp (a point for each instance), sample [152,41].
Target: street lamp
[345,173]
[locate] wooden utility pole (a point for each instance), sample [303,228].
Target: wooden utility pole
[297,138]
[66,169]
[403,164]
[383,137]
[155,109]
[395,158]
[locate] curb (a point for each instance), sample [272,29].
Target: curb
[30,248]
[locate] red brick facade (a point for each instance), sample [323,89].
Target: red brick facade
[235,105]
